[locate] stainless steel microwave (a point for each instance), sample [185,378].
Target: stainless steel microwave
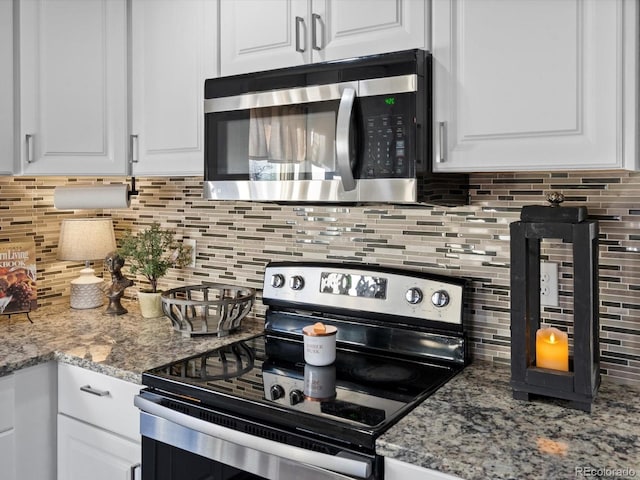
[353,131]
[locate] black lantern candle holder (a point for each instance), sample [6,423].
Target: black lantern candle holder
[580,383]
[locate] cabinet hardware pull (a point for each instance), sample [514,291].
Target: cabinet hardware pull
[299,26]
[134,148]
[29,146]
[441,142]
[133,470]
[95,391]
[315,18]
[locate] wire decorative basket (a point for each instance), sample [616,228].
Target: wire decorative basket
[207,309]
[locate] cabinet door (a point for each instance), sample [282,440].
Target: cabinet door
[265,34]
[73,79]
[98,399]
[86,452]
[260,35]
[355,28]
[7,455]
[35,422]
[7,433]
[173,52]
[396,470]
[6,88]
[534,85]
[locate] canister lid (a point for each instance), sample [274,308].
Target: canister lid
[319,329]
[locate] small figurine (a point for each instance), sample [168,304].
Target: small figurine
[119,282]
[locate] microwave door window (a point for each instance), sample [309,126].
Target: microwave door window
[321,142]
[288,142]
[228,151]
[292,142]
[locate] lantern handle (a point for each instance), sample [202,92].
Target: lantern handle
[555,198]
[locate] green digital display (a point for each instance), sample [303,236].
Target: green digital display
[390,100]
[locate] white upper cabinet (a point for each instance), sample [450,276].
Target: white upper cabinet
[73,84]
[173,50]
[6,88]
[266,34]
[535,84]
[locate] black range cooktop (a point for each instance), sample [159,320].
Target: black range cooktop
[265,378]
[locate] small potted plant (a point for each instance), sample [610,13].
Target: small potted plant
[151,253]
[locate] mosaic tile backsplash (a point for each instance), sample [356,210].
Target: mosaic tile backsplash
[236,239]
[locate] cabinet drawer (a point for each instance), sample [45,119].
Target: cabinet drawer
[7,389]
[98,399]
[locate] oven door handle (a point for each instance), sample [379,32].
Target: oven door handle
[343,137]
[344,465]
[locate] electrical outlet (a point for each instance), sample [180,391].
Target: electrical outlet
[191,243]
[549,284]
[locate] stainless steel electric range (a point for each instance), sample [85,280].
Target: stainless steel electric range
[255,410]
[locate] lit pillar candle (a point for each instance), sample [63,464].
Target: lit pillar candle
[552,349]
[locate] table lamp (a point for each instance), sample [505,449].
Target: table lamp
[86,239]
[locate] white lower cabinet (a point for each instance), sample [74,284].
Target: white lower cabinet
[397,470]
[98,426]
[27,423]
[85,451]
[7,422]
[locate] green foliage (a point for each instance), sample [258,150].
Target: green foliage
[153,252]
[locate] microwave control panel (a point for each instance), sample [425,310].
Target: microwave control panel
[388,137]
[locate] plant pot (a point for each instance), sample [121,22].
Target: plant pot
[150,304]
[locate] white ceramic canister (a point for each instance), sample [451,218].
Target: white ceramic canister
[319,344]
[319,382]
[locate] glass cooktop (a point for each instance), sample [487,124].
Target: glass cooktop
[266,378]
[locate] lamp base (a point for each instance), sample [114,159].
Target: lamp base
[86,291]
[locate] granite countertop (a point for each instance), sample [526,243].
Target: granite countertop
[470,428]
[122,346]
[473,428]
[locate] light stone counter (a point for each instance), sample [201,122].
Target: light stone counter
[121,346]
[472,428]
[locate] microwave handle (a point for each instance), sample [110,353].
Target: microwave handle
[343,133]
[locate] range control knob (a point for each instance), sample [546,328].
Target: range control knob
[413,295]
[277,280]
[276,392]
[295,397]
[296,282]
[440,298]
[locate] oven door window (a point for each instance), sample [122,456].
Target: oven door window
[289,142]
[164,462]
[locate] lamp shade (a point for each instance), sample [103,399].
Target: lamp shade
[84,239]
